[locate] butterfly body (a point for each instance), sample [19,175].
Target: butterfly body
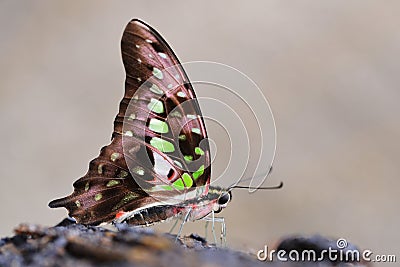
[195,208]
[158,164]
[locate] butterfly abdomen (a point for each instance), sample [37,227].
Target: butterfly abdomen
[152,215]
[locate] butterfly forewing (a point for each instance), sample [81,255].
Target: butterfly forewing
[163,114]
[159,149]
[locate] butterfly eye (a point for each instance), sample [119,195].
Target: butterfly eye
[224,198]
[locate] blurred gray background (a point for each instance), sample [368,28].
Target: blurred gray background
[329,70]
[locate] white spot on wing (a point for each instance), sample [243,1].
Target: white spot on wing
[132,117]
[155,89]
[162,55]
[161,166]
[158,73]
[191,117]
[114,156]
[138,170]
[196,130]
[181,94]
[128,133]
[178,164]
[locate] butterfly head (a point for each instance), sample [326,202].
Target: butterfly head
[222,198]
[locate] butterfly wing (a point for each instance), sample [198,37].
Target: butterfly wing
[159,150]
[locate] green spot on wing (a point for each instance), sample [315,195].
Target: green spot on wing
[127,198]
[123,174]
[130,196]
[187,180]
[158,126]
[158,73]
[182,137]
[112,183]
[156,106]
[199,172]
[78,203]
[188,157]
[132,117]
[115,156]
[87,186]
[135,148]
[100,169]
[167,187]
[196,130]
[198,151]
[138,170]
[162,145]
[178,184]
[98,196]
[155,89]
[176,114]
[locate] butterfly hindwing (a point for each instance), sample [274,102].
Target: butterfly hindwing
[159,148]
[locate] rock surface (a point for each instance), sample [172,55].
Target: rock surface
[77,245]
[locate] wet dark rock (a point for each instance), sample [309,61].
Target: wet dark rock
[70,244]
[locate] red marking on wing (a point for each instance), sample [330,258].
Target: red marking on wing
[119,214]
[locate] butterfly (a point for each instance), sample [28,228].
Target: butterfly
[158,164]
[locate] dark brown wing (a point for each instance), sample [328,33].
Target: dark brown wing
[155,153]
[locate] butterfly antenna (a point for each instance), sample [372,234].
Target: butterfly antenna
[264,175]
[279,186]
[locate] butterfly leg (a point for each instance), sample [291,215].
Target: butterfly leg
[212,220]
[174,225]
[185,219]
[206,229]
[223,227]
[221,220]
